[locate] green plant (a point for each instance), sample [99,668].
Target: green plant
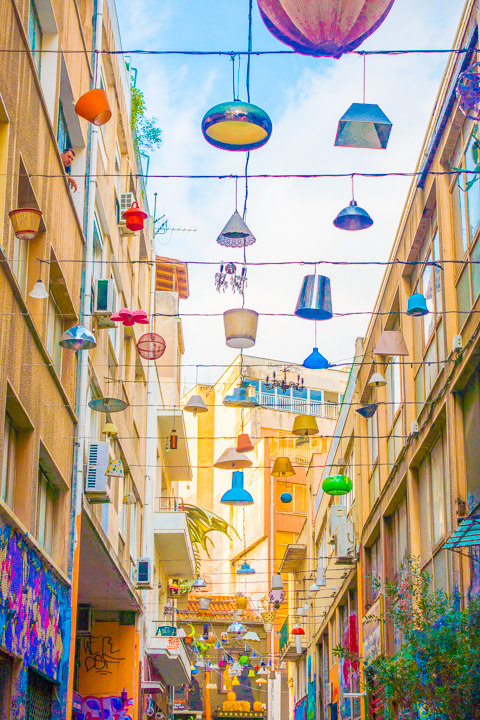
[148,135]
[200,524]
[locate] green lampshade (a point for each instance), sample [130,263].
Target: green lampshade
[337,485]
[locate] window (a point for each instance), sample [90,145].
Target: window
[376,569]
[63,136]
[432,499]
[54,333]
[349,471]
[20,262]
[394,413]
[133,531]
[46,497]
[299,497]
[429,344]
[118,166]
[35,35]
[399,537]
[466,209]
[374,481]
[9,461]
[471,434]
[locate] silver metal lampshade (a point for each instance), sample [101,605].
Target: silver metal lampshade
[363,126]
[353,218]
[78,338]
[315,298]
[240,398]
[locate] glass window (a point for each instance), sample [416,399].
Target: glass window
[20,262]
[394,389]
[471,434]
[372,432]
[400,535]
[9,462]
[432,499]
[473,193]
[54,333]
[376,569]
[300,498]
[63,136]
[35,35]
[45,512]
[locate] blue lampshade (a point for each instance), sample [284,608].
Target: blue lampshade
[316,361]
[368,411]
[417,305]
[245,569]
[237,495]
[240,398]
[199,583]
[364,126]
[353,218]
[286,497]
[78,338]
[315,298]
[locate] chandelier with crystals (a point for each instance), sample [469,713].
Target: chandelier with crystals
[284,384]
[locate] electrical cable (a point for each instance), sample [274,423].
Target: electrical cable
[229,53]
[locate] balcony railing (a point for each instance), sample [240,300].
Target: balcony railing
[299,406]
[170,504]
[288,447]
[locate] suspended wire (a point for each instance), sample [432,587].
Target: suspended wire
[250,15]
[422,51]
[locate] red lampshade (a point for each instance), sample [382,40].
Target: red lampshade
[297,630]
[134,217]
[151,346]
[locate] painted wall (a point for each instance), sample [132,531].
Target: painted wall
[34,616]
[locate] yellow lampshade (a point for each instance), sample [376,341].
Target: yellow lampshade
[242,603]
[305,425]
[235,681]
[235,132]
[110,429]
[282,467]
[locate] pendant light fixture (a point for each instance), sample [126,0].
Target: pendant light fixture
[78,338]
[368,411]
[236,126]
[377,380]
[315,298]
[240,328]
[236,233]
[230,459]
[305,425]
[337,485]
[417,305]
[240,398]
[39,291]
[115,469]
[282,467]
[237,495]
[26,222]
[107,404]
[195,405]
[353,217]
[245,569]
[316,361]
[391,343]
[110,429]
[199,583]
[244,444]
[241,603]
[286,497]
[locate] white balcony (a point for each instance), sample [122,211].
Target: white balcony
[170,658]
[299,406]
[172,538]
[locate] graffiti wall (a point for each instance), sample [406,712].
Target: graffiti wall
[34,615]
[107,708]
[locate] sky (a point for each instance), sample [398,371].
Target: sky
[290,218]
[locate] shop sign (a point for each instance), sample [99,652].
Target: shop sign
[166,631]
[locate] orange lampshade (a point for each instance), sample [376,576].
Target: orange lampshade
[244,444]
[94,107]
[26,222]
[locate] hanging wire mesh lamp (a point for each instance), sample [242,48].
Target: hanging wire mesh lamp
[236,233]
[151,346]
[468,92]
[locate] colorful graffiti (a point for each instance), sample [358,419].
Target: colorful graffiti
[107,708]
[301,709]
[349,669]
[312,699]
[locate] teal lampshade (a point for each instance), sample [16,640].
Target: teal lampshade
[236,126]
[240,398]
[245,569]
[237,495]
[337,485]
[417,305]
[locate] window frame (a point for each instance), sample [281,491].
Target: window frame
[9,461]
[47,496]
[35,35]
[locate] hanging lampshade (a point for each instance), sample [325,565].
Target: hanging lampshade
[268,627]
[114,469]
[305,425]
[107,404]
[94,107]
[363,126]
[240,398]
[251,673]
[237,495]
[277,582]
[199,583]
[286,498]
[315,361]
[195,405]
[297,630]
[315,298]
[222,664]
[468,92]
[236,126]
[130,499]
[230,459]
[236,233]
[337,485]
[243,659]
[235,680]
[417,305]
[244,444]
[377,380]
[151,346]
[134,217]
[78,338]
[368,411]
[26,222]
[235,628]
[204,603]
[39,291]
[353,218]
[241,603]
[173,440]
[282,467]
[261,681]
[251,636]
[268,616]
[211,686]
[109,429]
[263,670]
[245,569]
[194,670]
[323,29]
[392,344]
[240,328]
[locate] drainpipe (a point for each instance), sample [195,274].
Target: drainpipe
[82,371]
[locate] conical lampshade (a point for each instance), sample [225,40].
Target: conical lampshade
[244,444]
[114,469]
[316,361]
[315,298]
[305,425]
[78,338]
[195,405]
[377,380]
[240,398]
[353,218]
[39,291]
[368,411]
[110,429]
[417,305]
[282,467]
[237,495]
[392,344]
[230,459]
[363,126]
[235,233]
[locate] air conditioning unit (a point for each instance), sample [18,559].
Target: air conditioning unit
[105,298]
[328,693]
[144,572]
[96,483]
[338,515]
[126,202]
[84,621]
[344,544]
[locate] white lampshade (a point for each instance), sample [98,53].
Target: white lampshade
[39,291]
[231,459]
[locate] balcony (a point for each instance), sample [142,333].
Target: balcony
[172,538]
[298,453]
[299,406]
[169,656]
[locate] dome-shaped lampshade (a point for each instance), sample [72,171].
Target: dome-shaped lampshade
[195,405]
[237,495]
[364,126]
[199,583]
[377,380]
[337,485]
[315,298]
[78,338]
[261,681]
[240,398]
[251,636]
[282,467]
[297,630]
[114,469]
[305,425]
[236,126]
[353,218]
[230,459]
[236,627]
[392,344]
[286,498]
[240,327]
[107,404]
[316,361]
[417,305]
[241,602]
[245,569]
[368,411]
[236,233]
[244,444]
[39,291]
[277,582]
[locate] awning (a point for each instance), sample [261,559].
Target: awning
[467,535]
[169,656]
[293,556]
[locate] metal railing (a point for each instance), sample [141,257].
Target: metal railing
[299,406]
[170,504]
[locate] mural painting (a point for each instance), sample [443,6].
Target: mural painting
[34,616]
[349,670]
[107,708]
[301,709]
